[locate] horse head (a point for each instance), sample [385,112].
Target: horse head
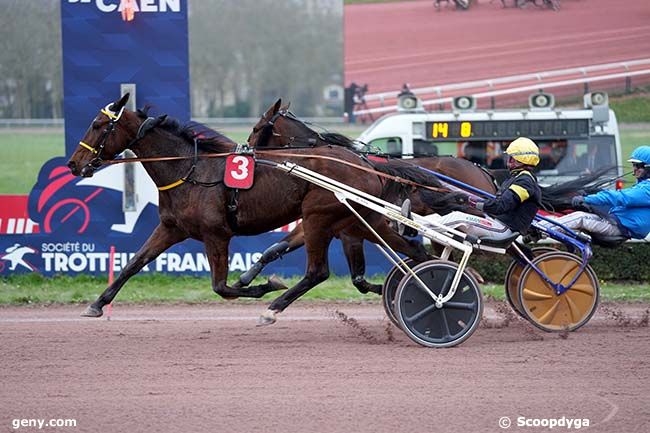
[109,134]
[279,127]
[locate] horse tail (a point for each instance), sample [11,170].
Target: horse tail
[435,201]
[395,191]
[558,197]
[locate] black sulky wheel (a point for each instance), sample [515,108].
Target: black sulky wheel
[389,290]
[438,326]
[550,311]
[512,280]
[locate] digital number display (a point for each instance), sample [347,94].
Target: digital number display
[507,129]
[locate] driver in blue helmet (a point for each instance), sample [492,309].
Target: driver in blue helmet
[624,213]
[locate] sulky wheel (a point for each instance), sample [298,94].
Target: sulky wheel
[567,311]
[512,280]
[429,325]
[390,288]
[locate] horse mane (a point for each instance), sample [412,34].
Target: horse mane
[558,196]
[336,139]
[207,138]
[326,138]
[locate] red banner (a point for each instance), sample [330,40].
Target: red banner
[13,216]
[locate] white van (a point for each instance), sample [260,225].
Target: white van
[571,141]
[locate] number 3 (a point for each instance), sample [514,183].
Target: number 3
[241,172]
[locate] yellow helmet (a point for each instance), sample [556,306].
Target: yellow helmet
[524,150]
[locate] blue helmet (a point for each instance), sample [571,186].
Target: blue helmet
[640,155]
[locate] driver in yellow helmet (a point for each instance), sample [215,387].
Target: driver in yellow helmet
[516,203]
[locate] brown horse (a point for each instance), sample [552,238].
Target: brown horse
[192,207]
[279,128]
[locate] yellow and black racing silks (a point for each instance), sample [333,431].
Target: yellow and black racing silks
[516,201]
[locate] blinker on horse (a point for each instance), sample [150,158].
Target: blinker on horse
[189,210]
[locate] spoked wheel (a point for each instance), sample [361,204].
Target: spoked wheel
[389,290]
[429,325]
[513,274]
[549,311]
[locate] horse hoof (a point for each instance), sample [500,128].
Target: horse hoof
[277,283]
[267,318]
[92,311]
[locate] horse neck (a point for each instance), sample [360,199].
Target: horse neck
[160,144]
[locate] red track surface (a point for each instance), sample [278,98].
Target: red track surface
[207,368]
[388,44]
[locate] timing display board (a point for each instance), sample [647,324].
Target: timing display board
[507,129]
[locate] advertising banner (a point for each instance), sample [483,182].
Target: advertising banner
[68,224]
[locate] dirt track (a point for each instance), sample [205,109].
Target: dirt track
[208,368]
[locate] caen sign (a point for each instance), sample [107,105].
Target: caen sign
[138,5]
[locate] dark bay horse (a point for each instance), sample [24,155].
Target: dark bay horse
[279,128]
[189,210]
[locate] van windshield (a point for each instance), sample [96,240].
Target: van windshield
[390,146]
[559,159]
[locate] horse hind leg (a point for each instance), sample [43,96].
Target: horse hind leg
[271,254]
[353,249]
[291,242]
[310,280]
[317,243]
[217,251]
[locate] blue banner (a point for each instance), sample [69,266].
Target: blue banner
[76,221]
[101,51]
[79,219]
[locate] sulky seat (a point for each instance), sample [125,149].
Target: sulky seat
[500,242]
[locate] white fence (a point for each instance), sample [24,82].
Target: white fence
[387,101]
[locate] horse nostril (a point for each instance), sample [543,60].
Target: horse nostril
[73,167]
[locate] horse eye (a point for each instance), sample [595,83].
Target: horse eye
[96,125]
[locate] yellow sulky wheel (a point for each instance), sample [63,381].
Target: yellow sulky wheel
[513,274]
[567,311]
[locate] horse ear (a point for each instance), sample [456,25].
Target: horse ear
[277,105]
[120,103]
[285,107]
[160,119]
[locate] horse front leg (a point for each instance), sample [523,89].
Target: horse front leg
[291,242]
[162,238]
[353,250]
[316,243]
[216,249]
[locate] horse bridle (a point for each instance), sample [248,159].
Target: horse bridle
[147,125]
[311,141]
[97,161]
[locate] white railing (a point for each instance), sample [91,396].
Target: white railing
[529,88]
[539,76]
[31,123]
